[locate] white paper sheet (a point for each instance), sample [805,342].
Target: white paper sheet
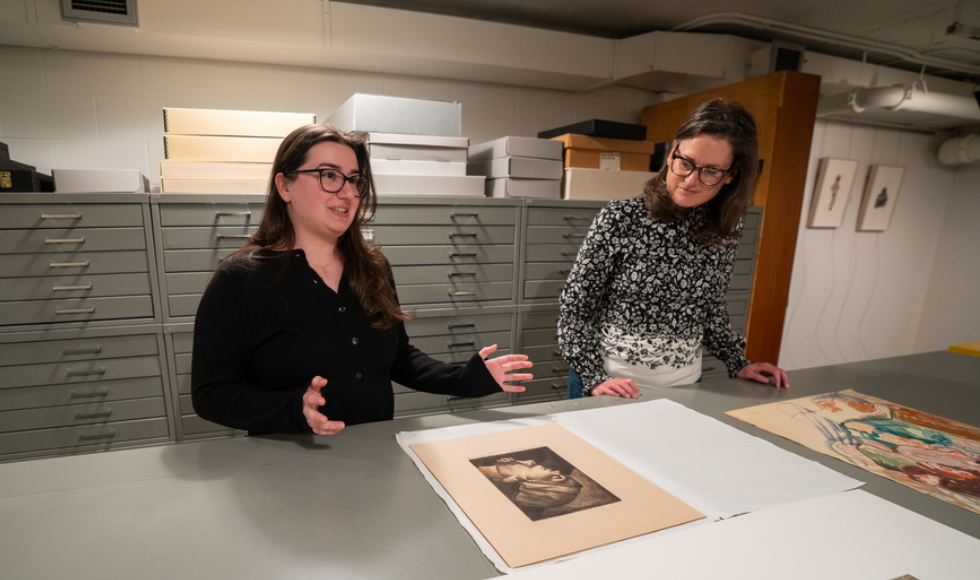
[844,536]
[715,468]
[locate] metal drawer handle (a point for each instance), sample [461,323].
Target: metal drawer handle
[100,415]
[453,326]
[64,241]
[451,274]
[89,310]
[69,264]
[69,351]
[456,215]
[233,213]
[108,435]
[454,294]
[61,216]
[564,271]
[557,352]
[566,254]
[455,235]
[706,369]
[62,288]
[454,255]
[557,370]
[238,237]
[575,217]
[77,395]
[558,386]
[459,344]
[566,236]
[72,373]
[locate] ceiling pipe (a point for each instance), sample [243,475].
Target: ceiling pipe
[960,150]
[899,98]
[906,54]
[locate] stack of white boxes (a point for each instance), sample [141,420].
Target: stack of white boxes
[518,167]
[415,144]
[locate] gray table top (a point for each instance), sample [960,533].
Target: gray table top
[354,505]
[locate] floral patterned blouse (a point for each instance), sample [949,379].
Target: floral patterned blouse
[649,289]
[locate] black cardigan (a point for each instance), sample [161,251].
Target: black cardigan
[267,324]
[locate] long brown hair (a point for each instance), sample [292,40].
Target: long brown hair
[367,269]
[731,122]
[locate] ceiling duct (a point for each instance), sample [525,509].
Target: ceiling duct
[786,56]
[120,12]
[901,106]
[960,150]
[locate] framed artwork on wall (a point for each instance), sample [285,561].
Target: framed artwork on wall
[880,196]
[832,192]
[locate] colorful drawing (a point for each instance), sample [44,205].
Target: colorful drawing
[926,452]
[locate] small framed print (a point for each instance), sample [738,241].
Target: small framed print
[880,196]
[832,193]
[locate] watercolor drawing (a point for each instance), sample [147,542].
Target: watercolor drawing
[542,484]
[880,195]
[928,453]
[832,192]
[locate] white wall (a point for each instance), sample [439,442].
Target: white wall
[62,109]
[861,295]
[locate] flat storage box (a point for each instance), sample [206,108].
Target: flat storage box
[234,149]
[178,121]
[600,128]
[411,167]
[384,114]
[215,169]
[515,147]
[213,185]
[606,153]
[428,185]
[523,167]
[603,184]
[417,147]
[100,181]
[517,187]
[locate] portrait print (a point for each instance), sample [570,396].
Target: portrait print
[542,484]
[831,193]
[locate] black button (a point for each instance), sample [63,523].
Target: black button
[358,376]
[342,309]
[354,340]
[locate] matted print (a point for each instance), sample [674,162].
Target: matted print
[926,452]
[832,192]
[880,197]
[537,493]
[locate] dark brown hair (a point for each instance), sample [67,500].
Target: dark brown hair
[731,122]
[366,267]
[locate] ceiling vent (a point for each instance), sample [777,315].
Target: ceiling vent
[786,56]
[120,12]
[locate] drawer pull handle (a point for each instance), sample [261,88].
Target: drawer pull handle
[77,395]
[459,344]
[61,216]
[66,288]
[454,326]
[566,236]
[557,370]
[237,237]
[99,415]
[564,271]
[567,254]
[70,351]
[576,217]
[72,373]
[456,215]
[558,386]
[64,241]
[88,310]
[458,235]
[557,352]
[85,264]
[233,214]
[454,294]
[706,369]
[451,274]
[108,435]
[455,255]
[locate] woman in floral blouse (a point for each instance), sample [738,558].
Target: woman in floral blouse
[648,287]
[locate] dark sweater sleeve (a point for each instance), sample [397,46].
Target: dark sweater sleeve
[220,390]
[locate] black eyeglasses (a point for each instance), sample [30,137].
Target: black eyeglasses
[332,181]
[709,176]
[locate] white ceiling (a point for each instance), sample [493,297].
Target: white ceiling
[917,25]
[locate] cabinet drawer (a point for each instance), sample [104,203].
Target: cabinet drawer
[81,414]
[188,282]
[216,237]
[556,235]
[83,349]
[194,426]
[49,396]
[183,342]
[58,216]
[195,260]
[537,289]
[457,325]
[81,286]
[544,388]
[547,271]
[459,255]
[742,275]
[75,310]
[454,293]
[67,439]
[80,372]
[445,215]
[465,347]
[745,251]
[184,304]
[712,367]
[579,218]
[539,337]
[541,354]
[414,402]
[61,241]
[552,253]
[456,274]
[61,264]
[199,214]
[426,235]
[539,320]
